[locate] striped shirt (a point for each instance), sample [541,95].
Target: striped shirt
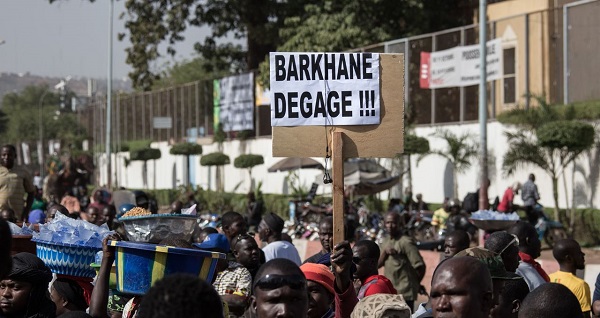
[14,184]
[529,193]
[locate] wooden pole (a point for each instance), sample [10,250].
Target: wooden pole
[338,186]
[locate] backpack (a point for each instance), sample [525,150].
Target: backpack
[471,202]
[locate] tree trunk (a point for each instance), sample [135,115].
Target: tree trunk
[410,187]
[555,195]
[146,174]
[251,183]
[187,170]
[455,177]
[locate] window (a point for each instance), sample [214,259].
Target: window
[509,82]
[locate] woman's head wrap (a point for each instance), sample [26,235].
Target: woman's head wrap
[71,292]
[274,222]
[27,267]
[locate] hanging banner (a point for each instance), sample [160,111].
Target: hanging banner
[317,89]
[459,66]
[234,98]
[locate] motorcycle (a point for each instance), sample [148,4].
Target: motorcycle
[549,230]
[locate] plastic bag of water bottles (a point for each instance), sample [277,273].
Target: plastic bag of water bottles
[63,229]
[493,215]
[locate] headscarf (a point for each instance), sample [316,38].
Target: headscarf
[70,291]
[274,222]
[29,268]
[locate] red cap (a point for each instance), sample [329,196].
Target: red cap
[319,273]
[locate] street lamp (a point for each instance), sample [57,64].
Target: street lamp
[41,128]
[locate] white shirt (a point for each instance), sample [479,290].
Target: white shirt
[531,276]
[282,249]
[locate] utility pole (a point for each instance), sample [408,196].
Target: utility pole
[109,94]
[483,190]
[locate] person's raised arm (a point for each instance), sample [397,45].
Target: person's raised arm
[345,295]
[99,299]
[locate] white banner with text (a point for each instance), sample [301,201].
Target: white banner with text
[317,89]
[459,66]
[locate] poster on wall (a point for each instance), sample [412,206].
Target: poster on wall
[234,102]
[317,89]
[459,66]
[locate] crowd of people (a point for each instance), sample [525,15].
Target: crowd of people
[268,277]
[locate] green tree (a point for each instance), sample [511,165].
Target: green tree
[20,118]
[270,25]
[460,151]
[248,161]
[553,147]
[186,149]
[217,159]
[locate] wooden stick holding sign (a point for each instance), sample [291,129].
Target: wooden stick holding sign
[337,156]
[358,97]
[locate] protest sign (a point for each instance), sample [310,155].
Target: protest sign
[234,102]
[384,140]
[317,89]
[459,66]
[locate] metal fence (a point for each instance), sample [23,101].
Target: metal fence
[533,50]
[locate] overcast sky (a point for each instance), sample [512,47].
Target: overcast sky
[69,37]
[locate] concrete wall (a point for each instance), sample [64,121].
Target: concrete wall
[432,176]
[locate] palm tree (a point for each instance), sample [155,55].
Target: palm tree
[461,150]
[553,147]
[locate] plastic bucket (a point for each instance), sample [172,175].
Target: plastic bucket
[140,265]
[67,259]
[157,227]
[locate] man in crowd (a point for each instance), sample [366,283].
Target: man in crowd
[246,252]
[326,239]
[570,258]
[530,197]
[550,301]
[319,284]
[233,224]
[24,292]
[280,290]
[233,280]
[511,299]
[15,183]
[420,204]
[496,268]
[461,288]
[455,242]
[507,246]
[269,230]
[365,257]
[530,248]
[181,295]
[254,211]
[401,260]
[440,216]
[506,204]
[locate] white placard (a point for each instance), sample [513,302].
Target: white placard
[236,102]
[459,66]
[317,89]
